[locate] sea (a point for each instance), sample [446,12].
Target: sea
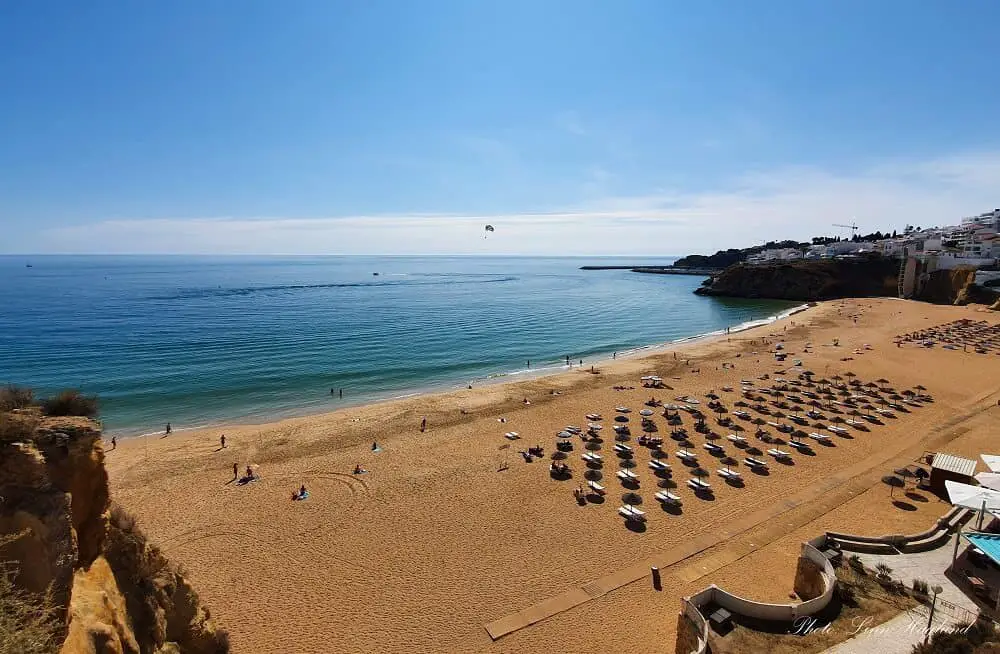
[204,340]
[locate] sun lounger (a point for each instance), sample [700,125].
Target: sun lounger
[836,430]
[736,439]
[712,447]
[623,409]
[822,438]
[573,430]
[512,435]
[755,463]
[684,454]
[726,473]
[779,454]
[799,445]
[593,416]
[597,488]
[623,449]
[627,475]
[698,484]
[591,457]
[629,512]
[667,498]
[741,414]
[658,466]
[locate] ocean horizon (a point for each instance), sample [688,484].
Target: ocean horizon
[198,340]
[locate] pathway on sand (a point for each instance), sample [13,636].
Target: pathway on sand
[821,499]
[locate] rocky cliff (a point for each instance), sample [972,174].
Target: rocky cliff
[112,591]
[829,279]
[806,280]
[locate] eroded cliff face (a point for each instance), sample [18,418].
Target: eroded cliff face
[829,279]
[116,592]
[807,280]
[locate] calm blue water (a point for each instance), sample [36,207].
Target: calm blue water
[197,340]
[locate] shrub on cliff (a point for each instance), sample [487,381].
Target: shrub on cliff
[16,427]
[16,397]
[29,623]
[71,403]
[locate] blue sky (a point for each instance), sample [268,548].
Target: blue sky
[576,127]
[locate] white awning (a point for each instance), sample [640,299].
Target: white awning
[992,461]
[972,497]
[989,480]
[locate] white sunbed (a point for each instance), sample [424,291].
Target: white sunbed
[684,454]
[627,475]
[512,435]
[741,414]
[631,513]
[822,438]
[698,484]
[591,457]
[667,498]
[779,454]
[593,416]
[712,447]
[726,473]
[597,488]
[658,465]
[625,449]
[736,439]
[799,445]
[836,430]
[885,412]
[755,463]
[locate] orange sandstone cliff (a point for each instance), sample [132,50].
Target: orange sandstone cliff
[113,592]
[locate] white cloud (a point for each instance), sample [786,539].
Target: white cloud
[787,203]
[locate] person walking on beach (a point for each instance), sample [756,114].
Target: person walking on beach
[529,363]
[168,429]
[341,393]
[614,355]
[114,443]
[236,470]
[222,441]
[423,424]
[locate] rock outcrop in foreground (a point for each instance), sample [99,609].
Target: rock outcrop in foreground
[113,592]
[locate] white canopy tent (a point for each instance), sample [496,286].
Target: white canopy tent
[992,461]
[978,498]
[989,480]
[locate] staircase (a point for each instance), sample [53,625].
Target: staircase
[902,277]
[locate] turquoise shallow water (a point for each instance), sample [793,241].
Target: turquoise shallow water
[201,340]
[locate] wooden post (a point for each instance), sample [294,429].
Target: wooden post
[656,578]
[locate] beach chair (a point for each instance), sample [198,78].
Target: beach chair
[627,475]
[754,463]
[512,436]
[629,512]
[658,466]
[779,454]
[667,498]
[726,473]
[712,447]
[591,457]
[597,488]
[699,485]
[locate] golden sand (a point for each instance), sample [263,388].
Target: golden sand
[434,542]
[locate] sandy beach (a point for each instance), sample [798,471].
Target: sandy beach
[436,541]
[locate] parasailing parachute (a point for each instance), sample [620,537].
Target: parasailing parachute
[489,229]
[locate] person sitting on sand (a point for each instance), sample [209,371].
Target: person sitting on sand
[374,446]
[358,470]
[526,401]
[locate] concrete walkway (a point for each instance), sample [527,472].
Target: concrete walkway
[896,636]
[929,566]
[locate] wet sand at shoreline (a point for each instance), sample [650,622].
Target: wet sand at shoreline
[434,542]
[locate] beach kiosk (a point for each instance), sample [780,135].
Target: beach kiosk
[948,467]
